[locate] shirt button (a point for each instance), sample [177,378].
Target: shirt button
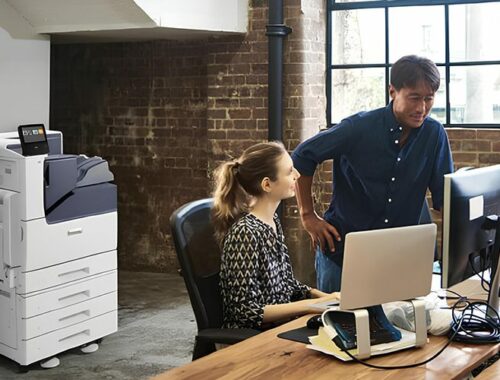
[386,221]
[393,179]
[389,200]
[396,141]
[399,159]
[400,128]
[392,129]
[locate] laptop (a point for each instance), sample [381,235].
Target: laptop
[385,265]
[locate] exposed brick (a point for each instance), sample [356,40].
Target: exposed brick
[239,113]
[461,133]
[489,158]
[488,134]
[475,146]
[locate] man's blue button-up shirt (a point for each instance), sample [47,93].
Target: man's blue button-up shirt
[377,184]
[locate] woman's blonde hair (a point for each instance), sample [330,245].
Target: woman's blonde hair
[237,181]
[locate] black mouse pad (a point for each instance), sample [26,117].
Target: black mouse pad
[300,335]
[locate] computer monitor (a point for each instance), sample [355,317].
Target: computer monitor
[471,212]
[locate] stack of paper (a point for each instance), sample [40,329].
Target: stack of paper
[323,342]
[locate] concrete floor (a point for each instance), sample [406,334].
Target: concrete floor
[156,329]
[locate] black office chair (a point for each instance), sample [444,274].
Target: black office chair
[199,258]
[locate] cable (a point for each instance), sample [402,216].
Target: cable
[476,325]
[480,274]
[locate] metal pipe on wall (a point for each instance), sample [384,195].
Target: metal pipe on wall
[276,32]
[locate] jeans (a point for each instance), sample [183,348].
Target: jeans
[328,273]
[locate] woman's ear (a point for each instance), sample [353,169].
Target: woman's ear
[266,184]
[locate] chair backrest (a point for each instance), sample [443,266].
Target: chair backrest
[199,257]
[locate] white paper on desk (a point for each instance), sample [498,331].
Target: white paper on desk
[323,343]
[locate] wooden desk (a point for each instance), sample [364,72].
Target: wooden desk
[490,373]
[266,356]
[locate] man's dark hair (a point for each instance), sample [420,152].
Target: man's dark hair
[409,70]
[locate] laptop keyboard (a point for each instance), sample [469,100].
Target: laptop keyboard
[380,329]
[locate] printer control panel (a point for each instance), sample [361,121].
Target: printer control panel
[33,139]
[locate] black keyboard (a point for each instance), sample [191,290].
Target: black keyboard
[381,331]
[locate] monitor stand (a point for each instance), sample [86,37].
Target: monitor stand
[493,222]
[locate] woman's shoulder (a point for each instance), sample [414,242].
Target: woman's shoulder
[244,226]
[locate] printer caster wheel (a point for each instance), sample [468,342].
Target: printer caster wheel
[50,363]
[89,348]
[23,368]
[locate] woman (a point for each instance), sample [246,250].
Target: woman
[258,286]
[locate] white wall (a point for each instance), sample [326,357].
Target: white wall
[24,72]
[215,15]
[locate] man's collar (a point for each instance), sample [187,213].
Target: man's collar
[390,120]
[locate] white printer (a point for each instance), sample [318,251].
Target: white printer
[58,240]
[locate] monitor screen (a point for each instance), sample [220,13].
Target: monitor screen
[470,196]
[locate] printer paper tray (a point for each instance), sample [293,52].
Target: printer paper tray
[66,295]
[61,340]
[51,244]
[58,319]
[65,273]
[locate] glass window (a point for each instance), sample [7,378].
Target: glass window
[438,111]
[357,90]
[474,32]
[358,36]
[417,30]
[475,94]
[468,62]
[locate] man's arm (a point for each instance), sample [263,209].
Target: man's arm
[320,231]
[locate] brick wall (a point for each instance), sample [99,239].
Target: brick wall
[474,147]
[237,99]
[164,114]
[304,114]
[142,107]
[237,89]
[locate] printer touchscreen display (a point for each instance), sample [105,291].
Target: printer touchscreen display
[33,139]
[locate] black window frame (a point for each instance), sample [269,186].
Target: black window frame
[333,6]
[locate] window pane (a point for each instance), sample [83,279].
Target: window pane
[358,36]
[417,30]
[475,94]
[474,32]
[355,90]
[438,111]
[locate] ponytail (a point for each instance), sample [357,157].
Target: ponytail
[237,181]
[230,200]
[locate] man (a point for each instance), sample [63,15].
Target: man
[384,162]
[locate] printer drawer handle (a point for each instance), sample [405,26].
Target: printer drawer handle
[85,313]
[75,231]
[85,294]
[84,270]
[78,334]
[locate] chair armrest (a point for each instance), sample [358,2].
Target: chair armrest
[227,336]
